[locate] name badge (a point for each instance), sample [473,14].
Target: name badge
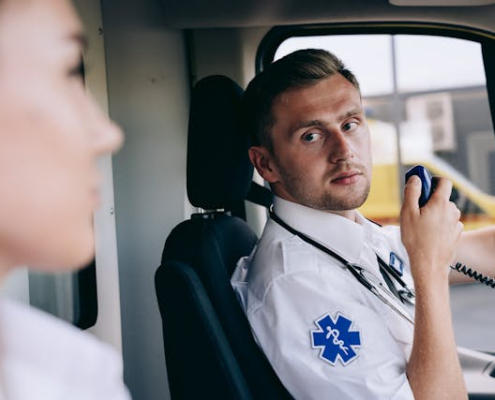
[396,263]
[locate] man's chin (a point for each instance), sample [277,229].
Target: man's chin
[345,204]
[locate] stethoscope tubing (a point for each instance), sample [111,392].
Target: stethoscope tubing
[384,294]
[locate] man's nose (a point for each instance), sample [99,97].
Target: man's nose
[340,149]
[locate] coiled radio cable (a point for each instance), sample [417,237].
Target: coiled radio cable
[464,269]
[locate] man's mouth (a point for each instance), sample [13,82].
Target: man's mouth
[347,178]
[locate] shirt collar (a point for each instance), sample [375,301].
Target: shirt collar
[343,236]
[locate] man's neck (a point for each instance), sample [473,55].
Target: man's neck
[349,214]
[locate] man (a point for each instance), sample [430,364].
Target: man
[325,333]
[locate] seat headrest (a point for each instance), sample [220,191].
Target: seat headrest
[219,172]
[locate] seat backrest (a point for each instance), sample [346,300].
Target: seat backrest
[199,363]
[210,351]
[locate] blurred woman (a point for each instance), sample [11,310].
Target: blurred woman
[51,133]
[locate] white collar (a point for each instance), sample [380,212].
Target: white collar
[343,236]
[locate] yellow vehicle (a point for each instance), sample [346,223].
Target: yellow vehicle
[384,202]
[385,198]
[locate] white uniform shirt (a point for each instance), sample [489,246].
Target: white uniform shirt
[44,358]
[324,333]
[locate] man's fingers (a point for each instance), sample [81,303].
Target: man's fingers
[443,188]
[412,192]
[456,211]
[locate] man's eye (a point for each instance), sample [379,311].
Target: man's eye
[311,137]
[349,126]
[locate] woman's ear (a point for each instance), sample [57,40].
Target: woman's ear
[262,160]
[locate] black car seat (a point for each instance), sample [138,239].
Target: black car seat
[209,349]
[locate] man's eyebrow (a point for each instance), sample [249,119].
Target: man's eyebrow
[80,38]
[316,122]
[350,113]
[307,124]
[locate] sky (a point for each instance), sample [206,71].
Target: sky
[423,62]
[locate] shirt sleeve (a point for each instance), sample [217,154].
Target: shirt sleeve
[325,341]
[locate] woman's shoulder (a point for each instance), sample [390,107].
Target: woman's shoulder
[33,327]
[37,347]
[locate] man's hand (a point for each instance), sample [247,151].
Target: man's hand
[430,235]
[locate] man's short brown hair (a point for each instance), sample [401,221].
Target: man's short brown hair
[299,69]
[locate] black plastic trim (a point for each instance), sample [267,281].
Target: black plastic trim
[85,297]
[278,34]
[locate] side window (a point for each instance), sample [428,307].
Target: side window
[426,103]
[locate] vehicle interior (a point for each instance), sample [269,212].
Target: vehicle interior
[180,202]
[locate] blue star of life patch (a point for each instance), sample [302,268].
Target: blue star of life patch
[335,339]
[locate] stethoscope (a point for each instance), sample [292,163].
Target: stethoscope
[365,277]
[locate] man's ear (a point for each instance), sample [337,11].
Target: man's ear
[262,160]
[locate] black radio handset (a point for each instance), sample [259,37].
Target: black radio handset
[426,192]
[426,182]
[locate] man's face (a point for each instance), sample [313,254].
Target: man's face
[321,147]
[51,133]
